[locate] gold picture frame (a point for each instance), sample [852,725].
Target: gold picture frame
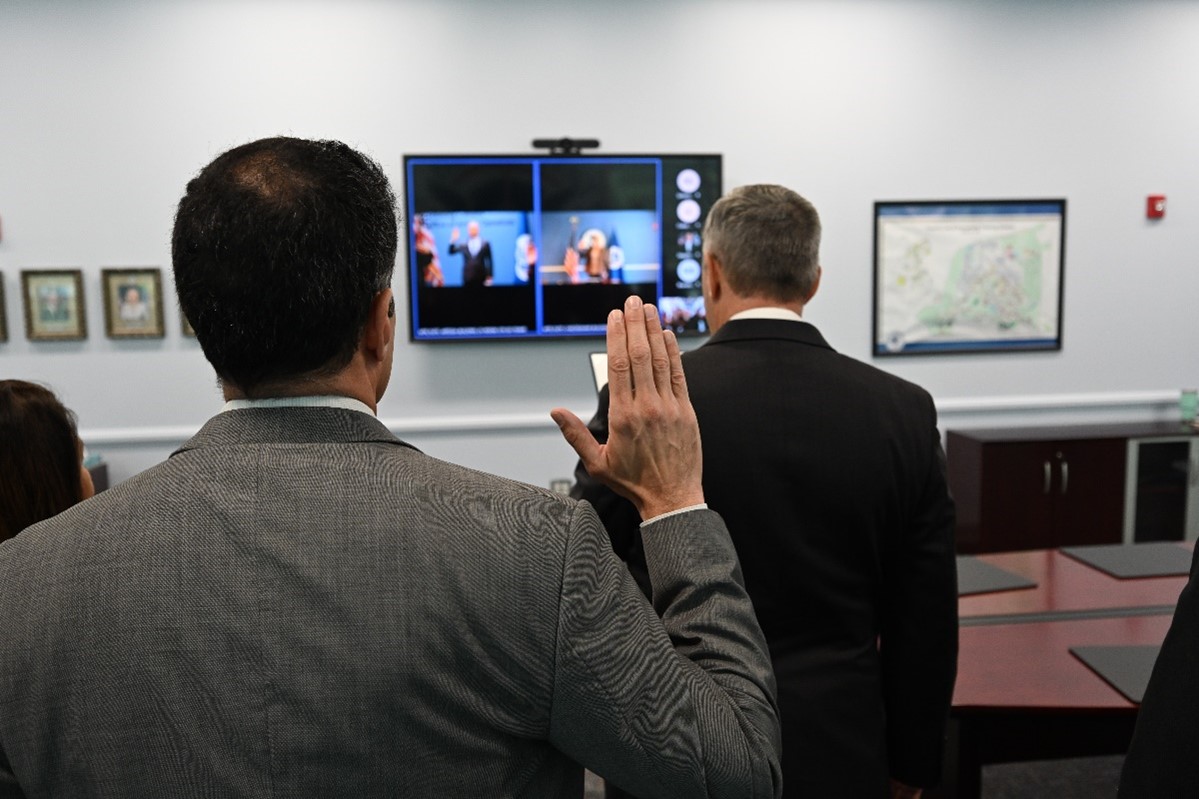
[54,306]
[133,302]
[3,313]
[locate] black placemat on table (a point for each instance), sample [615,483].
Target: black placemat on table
[1151,559]
[979,577]
[1124,667]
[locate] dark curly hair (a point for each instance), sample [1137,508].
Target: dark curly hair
[279,247]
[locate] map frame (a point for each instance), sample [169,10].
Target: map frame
[890,331]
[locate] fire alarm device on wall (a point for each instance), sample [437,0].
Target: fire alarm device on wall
[1156,206]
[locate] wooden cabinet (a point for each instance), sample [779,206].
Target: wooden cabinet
[1044,487]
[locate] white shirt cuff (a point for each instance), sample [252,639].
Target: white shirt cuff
[661,516]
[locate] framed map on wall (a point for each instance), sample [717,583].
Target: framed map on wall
[968,276]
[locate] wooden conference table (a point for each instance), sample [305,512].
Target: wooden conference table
[1020,693]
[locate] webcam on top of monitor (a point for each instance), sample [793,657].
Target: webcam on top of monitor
[566,146]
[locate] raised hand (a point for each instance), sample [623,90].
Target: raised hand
[653,454]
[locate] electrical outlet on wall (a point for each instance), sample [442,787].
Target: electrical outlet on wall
[561,486]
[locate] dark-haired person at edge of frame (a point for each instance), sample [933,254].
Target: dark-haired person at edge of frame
[1163,757]
[41,471]
[831,477]
[299,604]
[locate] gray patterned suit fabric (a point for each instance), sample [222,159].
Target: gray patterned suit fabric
[299,604]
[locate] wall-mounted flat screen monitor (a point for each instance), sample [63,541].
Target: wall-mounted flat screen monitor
[545,246]
[957,276]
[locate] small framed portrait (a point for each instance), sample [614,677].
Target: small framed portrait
[54,309]
[3,314]
[132,303]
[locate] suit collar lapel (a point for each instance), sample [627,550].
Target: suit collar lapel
[758,329]
[291,426]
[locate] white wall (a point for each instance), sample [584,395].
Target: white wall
[107,107]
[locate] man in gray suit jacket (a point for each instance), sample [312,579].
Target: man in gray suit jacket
[297,603]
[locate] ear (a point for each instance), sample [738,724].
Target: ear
[712,276]
[815,286]
[87,488]
[379,333]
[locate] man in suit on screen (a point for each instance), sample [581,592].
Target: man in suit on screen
[830,475]
[476,256]
[299,604]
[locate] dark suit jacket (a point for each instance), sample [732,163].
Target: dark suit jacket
[299,604]
[1163,758]
[830,476]
[475,268]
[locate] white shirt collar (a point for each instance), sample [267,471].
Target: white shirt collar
[768,312]
[328,401]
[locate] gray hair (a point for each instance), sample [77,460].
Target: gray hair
[767,239]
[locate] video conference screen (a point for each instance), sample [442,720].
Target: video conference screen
[527,247]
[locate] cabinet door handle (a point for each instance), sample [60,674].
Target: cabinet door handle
[1065,476]
[1048,477]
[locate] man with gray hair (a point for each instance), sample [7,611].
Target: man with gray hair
[831,477]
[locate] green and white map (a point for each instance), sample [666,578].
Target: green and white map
[968,276]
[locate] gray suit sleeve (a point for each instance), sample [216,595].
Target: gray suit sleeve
[674,703]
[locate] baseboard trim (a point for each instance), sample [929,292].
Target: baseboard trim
[1148,403]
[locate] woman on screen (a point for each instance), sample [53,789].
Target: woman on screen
[427,263]
[594,250]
